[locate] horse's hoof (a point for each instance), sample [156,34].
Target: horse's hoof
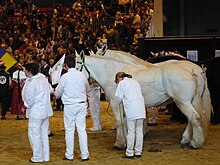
[185,146]
[118,148]
[193,148]
[188,146]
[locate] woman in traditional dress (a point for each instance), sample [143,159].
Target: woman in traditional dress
[16,86]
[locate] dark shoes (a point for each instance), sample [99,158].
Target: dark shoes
[132,157]
[152,124]
[67,159]
[34,162]
[51,134]
[72,159]
[128,157]
[3,118]
[84,159]
[137,156]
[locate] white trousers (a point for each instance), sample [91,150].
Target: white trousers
[75,115]
[94,106]
[134,137]
[38,137]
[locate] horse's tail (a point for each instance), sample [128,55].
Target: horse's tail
[207,105]
[204,106]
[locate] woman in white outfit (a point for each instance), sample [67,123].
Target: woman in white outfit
[36,97]
[129,93]
[94,104]
[73,89]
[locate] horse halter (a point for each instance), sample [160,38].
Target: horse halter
[83,65]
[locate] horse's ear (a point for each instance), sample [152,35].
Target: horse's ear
[99,51]
[76,53]
[153,54]
[82,53]
[104,49]
[91,52]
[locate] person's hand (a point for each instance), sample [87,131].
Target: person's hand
[52,92]
[23,109]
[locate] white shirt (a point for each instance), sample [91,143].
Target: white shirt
[36,97]
[73,87]
[129,92]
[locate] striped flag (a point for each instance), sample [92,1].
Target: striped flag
[56,70]
[8,60]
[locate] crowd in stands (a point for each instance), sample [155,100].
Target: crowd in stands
[29,33]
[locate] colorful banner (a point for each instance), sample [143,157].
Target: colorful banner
[8,60]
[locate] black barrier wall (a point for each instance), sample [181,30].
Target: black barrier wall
[202,47]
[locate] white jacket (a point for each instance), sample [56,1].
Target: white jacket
[73,87]
[36,97]
[129,92]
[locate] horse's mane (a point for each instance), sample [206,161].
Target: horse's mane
[158,59]
[127,58]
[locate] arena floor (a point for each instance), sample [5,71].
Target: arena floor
[15,148]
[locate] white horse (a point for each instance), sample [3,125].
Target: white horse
[158,85]
[184,64]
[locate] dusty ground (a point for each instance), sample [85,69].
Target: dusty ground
[15,149]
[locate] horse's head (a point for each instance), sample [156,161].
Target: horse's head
[80,63]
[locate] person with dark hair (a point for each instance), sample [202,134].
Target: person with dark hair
[73,89]
[4,90]
[36,97]
[129,93]
[45,67]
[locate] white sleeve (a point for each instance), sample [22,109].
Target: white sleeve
[119,93]
[60,88]
[29,95]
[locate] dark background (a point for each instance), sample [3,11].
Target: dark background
[188,25]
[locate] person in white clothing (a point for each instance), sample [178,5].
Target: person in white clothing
[36,97]
[129,93]
[73,89]
[94,104]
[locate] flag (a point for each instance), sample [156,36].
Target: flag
[8,60]
[56,71]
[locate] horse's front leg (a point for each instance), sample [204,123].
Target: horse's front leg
[121,125]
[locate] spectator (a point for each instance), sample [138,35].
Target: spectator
[136,36]
[45,67]
[16,86]
[4,90]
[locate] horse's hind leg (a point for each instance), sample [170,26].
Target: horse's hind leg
[193,133]
[187,135]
